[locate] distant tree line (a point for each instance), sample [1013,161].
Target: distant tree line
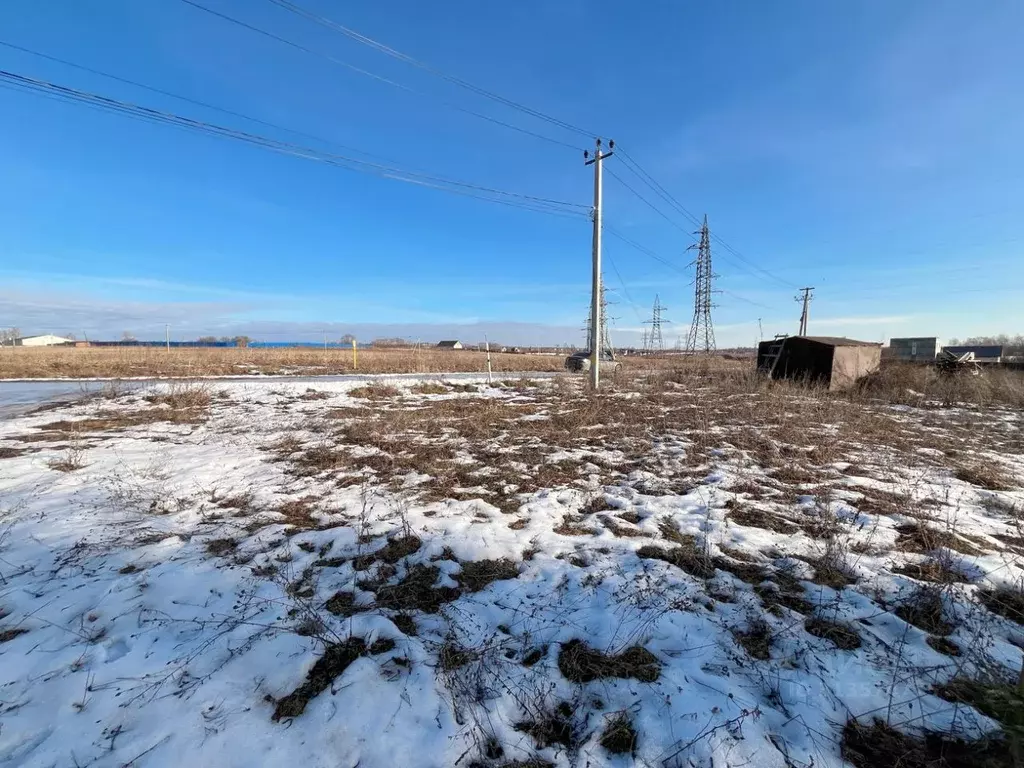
[1013,346]
[391,342]
[241,341]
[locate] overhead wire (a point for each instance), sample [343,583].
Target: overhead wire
[647,202]
[187,99]
[65,93]
[661,213]
[373,75]
[394,53]
[665,195]
[648,252]
[625,291]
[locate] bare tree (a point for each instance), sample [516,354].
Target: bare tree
[8,335]
[128,336]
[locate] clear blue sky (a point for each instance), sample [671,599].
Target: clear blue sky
[871,149]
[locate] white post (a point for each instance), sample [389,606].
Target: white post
[487,346]
[595,288]
[167,336]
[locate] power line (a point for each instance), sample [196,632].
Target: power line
[64,93]
[187,99]
[748,301]
[665,195]
[376,45]
[373,75]
[625,291]
[647,202]
[646,251]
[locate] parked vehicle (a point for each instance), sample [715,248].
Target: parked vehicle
[580,362]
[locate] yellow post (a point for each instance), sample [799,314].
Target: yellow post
[355,360]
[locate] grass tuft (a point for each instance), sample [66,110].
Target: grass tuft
[619,736]
[1004,601]
[336,659]
[924,609]
[756,639]
[478,574]
[688,558]
[843,636]
[580,663]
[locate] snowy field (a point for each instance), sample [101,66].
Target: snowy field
[680,572]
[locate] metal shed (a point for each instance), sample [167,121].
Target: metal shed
[833,361]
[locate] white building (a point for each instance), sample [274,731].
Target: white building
[46,340]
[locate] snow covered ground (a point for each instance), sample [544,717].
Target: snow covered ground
[423,574]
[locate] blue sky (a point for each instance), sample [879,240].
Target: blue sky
[871,150]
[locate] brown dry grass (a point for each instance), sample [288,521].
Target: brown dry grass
[124,362]
[580,663]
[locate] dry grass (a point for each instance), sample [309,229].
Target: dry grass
[924,609]
[375,391]
[988,475]
[416,592]
[548,728]
[756,639]
[843,636]
[1005,601]
[478,574]
[336,659]
[580,663]
[619,736]
[881,746]
[124,362]
[918,537]
[6,635]
[688,557]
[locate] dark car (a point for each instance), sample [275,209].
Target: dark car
[580,362]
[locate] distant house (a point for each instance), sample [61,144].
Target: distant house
[920,349]
[981,353]
[46,340]
[834,361]
[454,344]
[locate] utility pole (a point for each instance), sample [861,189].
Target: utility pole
[596,332]
[702,332]
[806,299]
[654,341]
[167,336]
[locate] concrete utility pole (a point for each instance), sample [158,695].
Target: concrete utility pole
[596,332]
[806,299]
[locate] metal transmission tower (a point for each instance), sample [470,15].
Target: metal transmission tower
[806,299]
[606,343]
[702,332]
[653,342]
